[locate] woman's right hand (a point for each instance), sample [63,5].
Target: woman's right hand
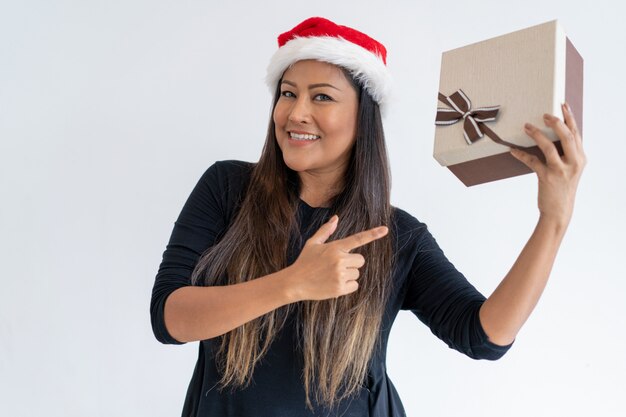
[328,270]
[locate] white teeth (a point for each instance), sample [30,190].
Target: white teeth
[302,137]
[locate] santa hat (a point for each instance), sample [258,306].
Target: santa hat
[320,39]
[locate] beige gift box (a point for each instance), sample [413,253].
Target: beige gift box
[526,73]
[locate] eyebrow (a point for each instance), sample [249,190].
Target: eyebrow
[312,86]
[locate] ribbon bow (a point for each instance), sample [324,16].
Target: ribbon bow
[473,119]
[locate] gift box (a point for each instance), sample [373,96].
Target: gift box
[489,89]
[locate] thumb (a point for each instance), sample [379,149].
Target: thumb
[324,232]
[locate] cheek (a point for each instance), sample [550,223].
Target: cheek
[343,124]
[278,114]
[275,116]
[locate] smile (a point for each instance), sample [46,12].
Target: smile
[298,136]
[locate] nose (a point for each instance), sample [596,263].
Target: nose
[300,111]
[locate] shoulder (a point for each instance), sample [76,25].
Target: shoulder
[227,181]
[228,176]
[411,236]
[405,225]
[229,170]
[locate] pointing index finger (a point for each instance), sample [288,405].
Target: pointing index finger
[362,238]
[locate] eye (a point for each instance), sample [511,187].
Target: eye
[323,97]
[287,93]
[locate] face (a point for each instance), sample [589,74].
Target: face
[315,119]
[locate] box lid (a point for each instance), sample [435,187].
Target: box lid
[522,72]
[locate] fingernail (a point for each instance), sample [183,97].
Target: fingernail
[333,219]
[568,107]
[381,231]
[528,126]
[547,116]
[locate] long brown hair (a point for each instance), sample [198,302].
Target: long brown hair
[338,336]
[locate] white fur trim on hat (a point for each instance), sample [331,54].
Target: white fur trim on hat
[363,64]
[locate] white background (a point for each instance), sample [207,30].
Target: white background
[110,111]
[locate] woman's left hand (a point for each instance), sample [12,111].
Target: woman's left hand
[559,175]
[506,310]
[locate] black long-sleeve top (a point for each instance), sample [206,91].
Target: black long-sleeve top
[425,282]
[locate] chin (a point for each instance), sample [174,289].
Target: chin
[296,164]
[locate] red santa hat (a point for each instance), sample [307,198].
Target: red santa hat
[320,39]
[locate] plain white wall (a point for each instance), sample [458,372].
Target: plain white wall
[110,111]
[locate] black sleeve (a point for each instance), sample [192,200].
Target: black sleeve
[196,229]
[443,299]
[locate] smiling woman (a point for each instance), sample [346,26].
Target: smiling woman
[290,271]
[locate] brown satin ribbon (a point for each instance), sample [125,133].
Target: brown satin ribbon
[473,120]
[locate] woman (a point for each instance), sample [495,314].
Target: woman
[290,271]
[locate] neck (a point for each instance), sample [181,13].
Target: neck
[318,190]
